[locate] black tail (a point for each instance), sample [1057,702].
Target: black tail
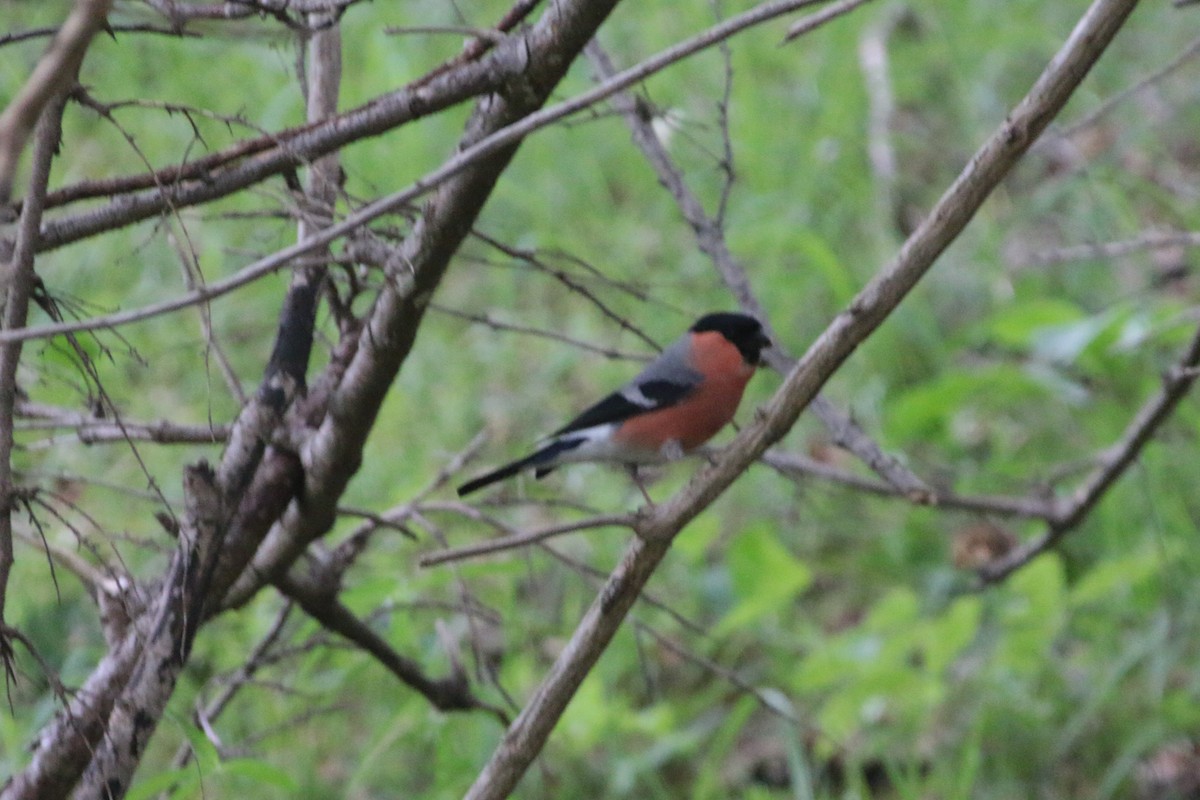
[541,459]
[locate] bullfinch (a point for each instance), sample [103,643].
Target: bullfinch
[674,405]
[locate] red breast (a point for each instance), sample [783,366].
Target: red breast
[697,419]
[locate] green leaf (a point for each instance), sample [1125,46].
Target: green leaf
[1117,577]
[1016,326]
[1032,615]
[947,635]
[1064,344]
[924,411]
[179,780]
[261,772]
[765,576]
[897,610]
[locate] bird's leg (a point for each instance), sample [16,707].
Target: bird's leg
[637,481]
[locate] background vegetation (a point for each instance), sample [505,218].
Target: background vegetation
[808,639]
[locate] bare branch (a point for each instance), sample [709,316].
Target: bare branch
[881,105]
[17,281]
[190,263]
[797,466]
[497,325]
[518,540]
[767,703]
[257,658]
[1150,240]
[90,430]
[53,75]
[814,21]
[449,694]
[486,34]
[1102,110]
[40,33]
[349,550]
[1112,464]
[486,147]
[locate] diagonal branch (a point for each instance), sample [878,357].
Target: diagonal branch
[658,527]
[1112,464]
[452,693]
[54,74]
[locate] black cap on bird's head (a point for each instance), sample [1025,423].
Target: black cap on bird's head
[743,332]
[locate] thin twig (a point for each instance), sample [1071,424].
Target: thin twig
[258,657]
[348,551]
[496,325]
[1099,112]
[487,34]
[519,540]
[796,466]
[1112,464]
[726,674]
[1149,240]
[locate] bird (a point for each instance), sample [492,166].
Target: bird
[675,404]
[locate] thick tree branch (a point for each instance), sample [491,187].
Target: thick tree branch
[334,452]
[657,528]
[164,638]
[66,744]
[190,185]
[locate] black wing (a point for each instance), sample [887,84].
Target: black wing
[617,407]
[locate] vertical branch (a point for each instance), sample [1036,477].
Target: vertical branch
[293,343]
[21,280]
[881,106]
